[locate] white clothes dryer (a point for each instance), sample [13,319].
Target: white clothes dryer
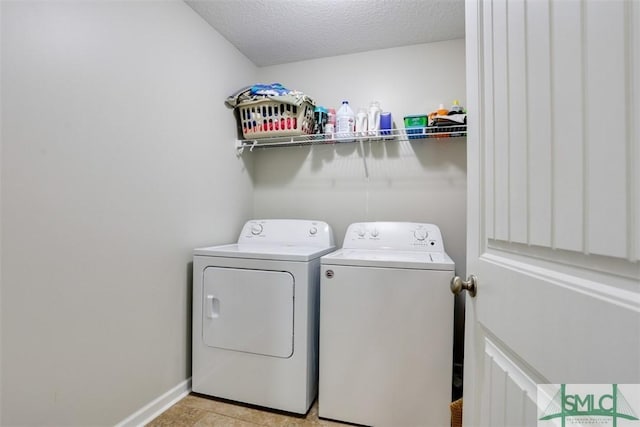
[386,327]
[255,314]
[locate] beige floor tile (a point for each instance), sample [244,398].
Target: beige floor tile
[202,411]
[257,416]
[216,420]
[178,415]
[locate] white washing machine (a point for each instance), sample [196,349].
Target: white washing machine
[255,314]
[386,327]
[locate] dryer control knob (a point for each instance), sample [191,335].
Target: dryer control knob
[375,232]
[420,234]
[361,232]
[256,229]
[313,230]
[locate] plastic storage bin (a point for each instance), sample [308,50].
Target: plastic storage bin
[269,118]
[415,126]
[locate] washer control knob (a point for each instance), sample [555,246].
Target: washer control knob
[361,232]
[256,229]
[375,232]
[420,234]
[313,231]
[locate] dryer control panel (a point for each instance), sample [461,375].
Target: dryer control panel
[294,232]
[407,236]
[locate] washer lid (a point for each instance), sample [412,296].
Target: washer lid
[390,259]
[265,251]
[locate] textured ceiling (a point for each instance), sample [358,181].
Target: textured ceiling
[273,32]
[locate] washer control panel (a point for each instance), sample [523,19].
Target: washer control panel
[287,232]
[407,236]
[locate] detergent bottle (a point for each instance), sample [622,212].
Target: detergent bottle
[345,123]
[373,120]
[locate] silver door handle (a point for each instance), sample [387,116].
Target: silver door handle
[458,285]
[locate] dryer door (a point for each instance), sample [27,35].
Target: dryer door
[248,310]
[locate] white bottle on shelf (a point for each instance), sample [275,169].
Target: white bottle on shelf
[373,120]
[456,107]
[330,128]
[345,123]
[361,124]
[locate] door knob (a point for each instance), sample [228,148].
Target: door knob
[458,285]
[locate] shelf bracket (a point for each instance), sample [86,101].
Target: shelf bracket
[239,147]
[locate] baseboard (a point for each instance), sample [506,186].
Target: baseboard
[157,406]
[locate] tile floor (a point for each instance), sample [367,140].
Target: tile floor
[202,411]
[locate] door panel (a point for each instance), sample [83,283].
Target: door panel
[248,310]
[558,125]
[510,393]
[553,199]
[539,124]
[568,143]
[517,123]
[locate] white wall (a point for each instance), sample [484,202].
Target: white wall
[117,160]
[421,181]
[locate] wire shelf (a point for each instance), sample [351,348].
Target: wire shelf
[411,134]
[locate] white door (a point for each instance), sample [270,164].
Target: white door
[554,204]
